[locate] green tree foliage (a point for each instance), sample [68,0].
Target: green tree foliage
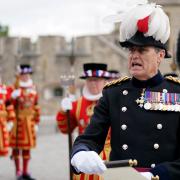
[4,31]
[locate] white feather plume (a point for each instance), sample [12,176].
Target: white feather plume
[125,6]
[166,35]
[159,25]
[128,27]
[154,23]
[136,2]
[129,21]
[142,11]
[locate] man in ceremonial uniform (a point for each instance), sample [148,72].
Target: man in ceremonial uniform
[142,111]
[23,134]
[82,109]
[7,115]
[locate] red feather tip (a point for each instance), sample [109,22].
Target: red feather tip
[142,24]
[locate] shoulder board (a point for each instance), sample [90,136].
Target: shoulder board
[115,82]
[174,79]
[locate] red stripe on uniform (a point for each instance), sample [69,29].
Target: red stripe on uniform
[142,169]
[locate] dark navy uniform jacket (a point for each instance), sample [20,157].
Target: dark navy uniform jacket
[152,137]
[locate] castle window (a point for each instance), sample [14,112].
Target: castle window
[58,91]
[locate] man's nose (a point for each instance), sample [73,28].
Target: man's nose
[135,54]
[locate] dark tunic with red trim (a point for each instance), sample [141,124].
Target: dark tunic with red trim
[7,114]
[23,135]
[79,117]
[150,136]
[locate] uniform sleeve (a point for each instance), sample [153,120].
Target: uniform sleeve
[11,115]
[61,119]
[9,92]
[11,100]
[37,110]
[96,132]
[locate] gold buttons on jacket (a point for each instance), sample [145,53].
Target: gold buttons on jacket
[153,165]
[159,126]
[125,92]
[125,146]
[155,177]
[156,146]
[124,127]
[124,109]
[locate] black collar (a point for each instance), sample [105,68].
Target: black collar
[154,81]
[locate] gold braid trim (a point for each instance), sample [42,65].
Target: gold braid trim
[174,79]
[116,81]
[78,109]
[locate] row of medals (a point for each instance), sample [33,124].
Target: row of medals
[157,105]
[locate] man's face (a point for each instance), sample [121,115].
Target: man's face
[95,85]
[143,62]
[24,77]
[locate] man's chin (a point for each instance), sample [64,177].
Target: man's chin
[93,92]
[138,75]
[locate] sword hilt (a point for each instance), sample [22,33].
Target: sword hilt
[120,163]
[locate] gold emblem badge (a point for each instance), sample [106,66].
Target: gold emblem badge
[90,110]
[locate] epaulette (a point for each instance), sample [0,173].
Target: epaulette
[115,82]
[174,79]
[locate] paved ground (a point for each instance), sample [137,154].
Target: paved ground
[49,159]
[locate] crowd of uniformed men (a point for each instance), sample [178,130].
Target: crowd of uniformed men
[129,118]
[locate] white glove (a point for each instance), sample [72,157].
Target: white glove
[16,93]
[147,175]
[66,104]
[36,128]
[9,126]
[88,162]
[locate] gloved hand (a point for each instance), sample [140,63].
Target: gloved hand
[16,93]
[88,162]
[36,128]
[9,126]
[66,104]
[147,175]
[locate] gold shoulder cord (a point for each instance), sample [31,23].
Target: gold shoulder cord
[78,109]
[116,81]
[174,79]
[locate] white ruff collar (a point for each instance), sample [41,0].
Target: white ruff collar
[26,84]
[90,96]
